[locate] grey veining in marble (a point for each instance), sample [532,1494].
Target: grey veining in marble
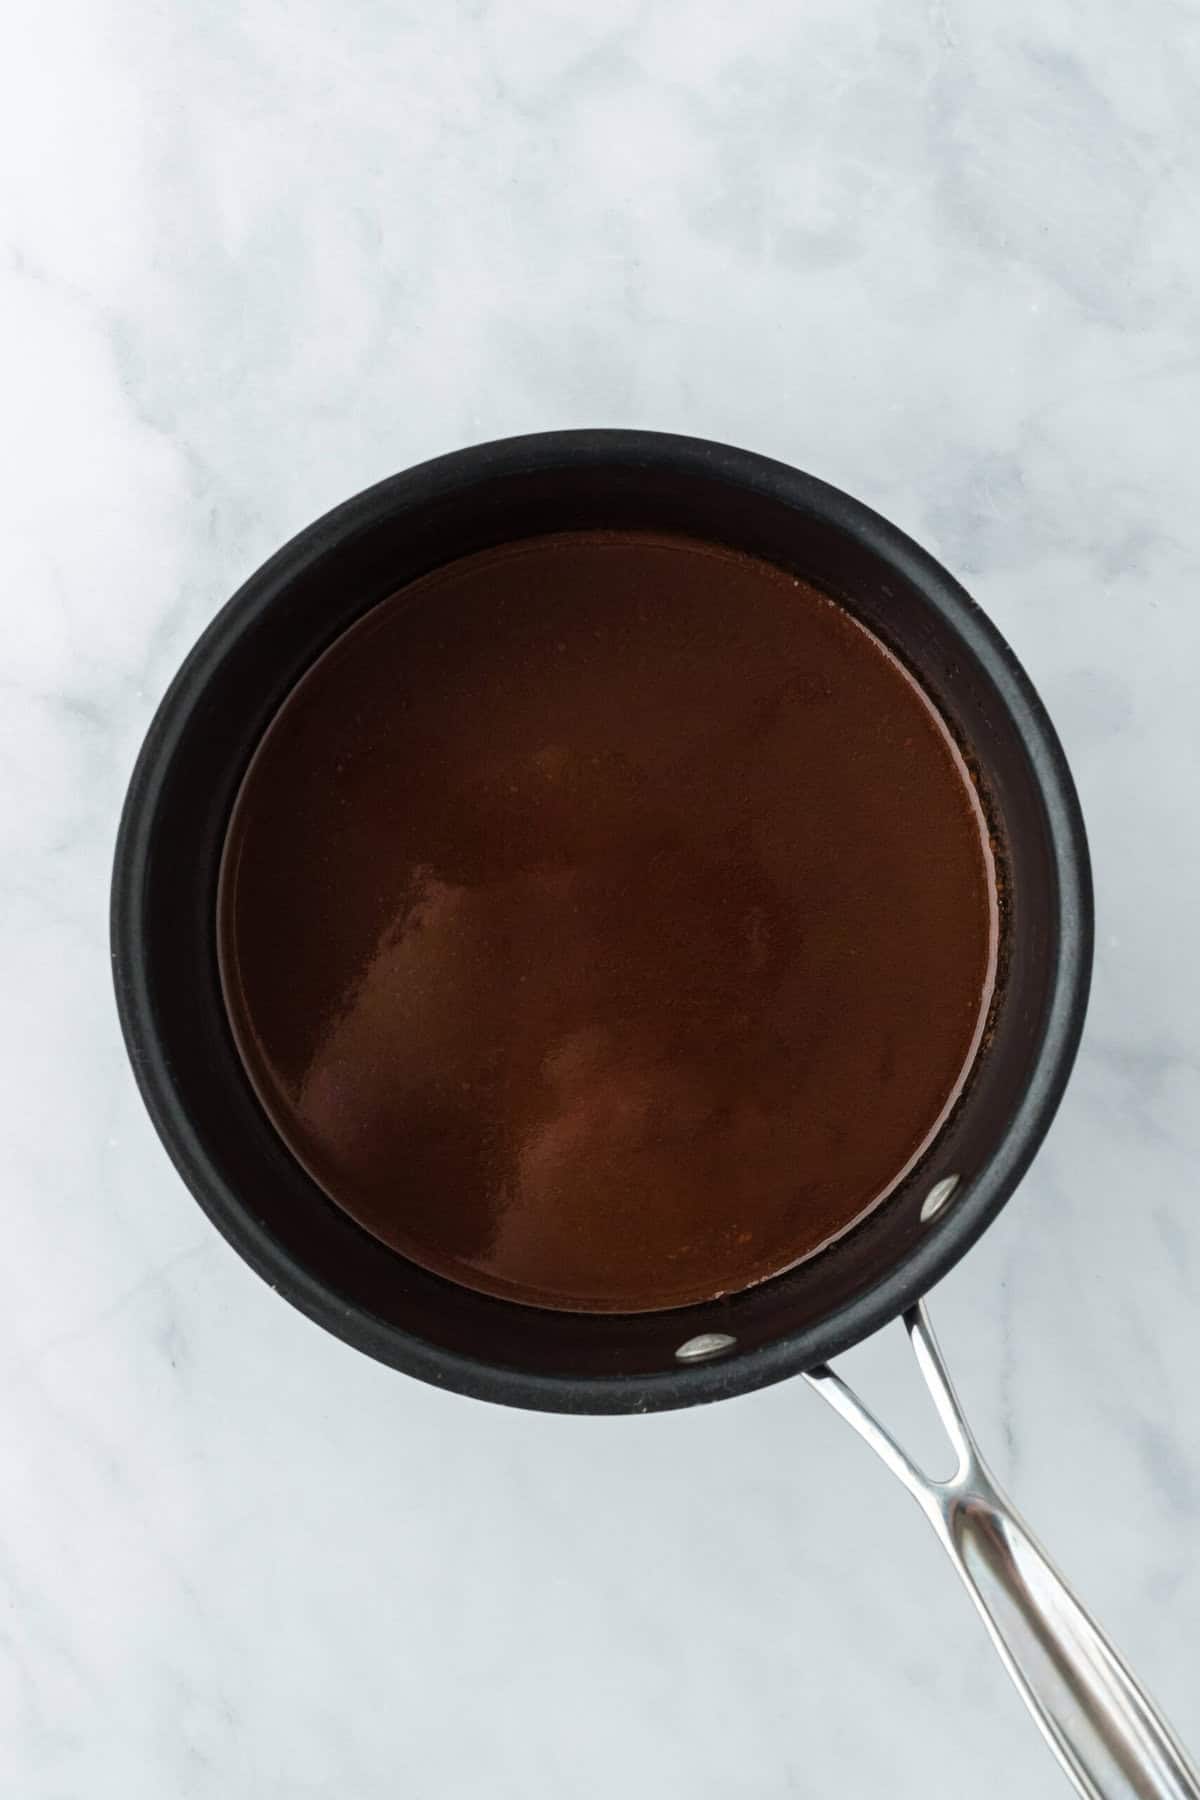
[253,257]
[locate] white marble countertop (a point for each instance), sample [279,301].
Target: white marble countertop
[254,258]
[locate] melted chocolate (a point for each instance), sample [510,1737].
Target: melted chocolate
[607,921]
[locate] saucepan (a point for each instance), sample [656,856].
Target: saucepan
[1104,1730]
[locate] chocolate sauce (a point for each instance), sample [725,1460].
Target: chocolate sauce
[607,921]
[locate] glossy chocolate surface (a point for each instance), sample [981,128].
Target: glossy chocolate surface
[607,921]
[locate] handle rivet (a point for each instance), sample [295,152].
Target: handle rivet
[937,1197]
[705,1345]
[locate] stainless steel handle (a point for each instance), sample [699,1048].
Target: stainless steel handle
[1105,1731]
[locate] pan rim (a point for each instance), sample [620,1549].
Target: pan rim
[739,1371]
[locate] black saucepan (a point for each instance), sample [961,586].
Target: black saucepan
[165,963]
[164,910]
